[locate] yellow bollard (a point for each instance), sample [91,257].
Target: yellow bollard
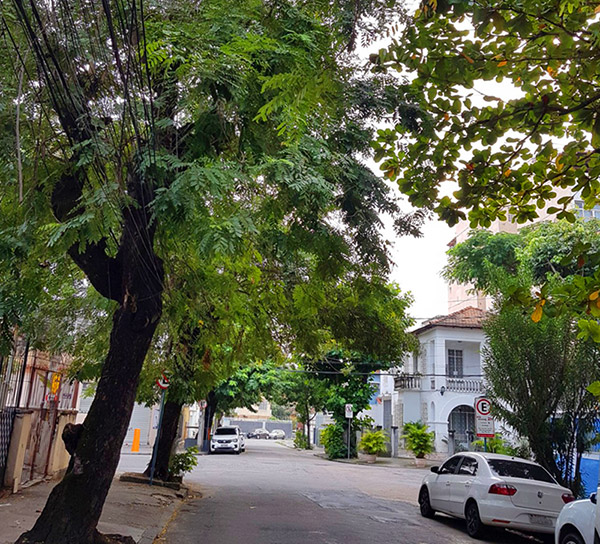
[135,445]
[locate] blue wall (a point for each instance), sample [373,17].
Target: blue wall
[590,466]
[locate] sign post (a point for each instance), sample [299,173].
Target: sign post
[163,383]
[349,416]
[484,422]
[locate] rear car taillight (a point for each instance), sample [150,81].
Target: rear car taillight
[567,497]
[502,489]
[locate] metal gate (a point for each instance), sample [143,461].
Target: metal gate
[12,371]
[461,424]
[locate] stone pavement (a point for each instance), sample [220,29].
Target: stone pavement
[135,510]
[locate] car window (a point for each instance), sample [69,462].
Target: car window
[450,465]
[468,466]
[225,430]
[516,469]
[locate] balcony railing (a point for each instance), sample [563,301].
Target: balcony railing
[461,385]
[407,381]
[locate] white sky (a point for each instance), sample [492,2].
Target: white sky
[418,265]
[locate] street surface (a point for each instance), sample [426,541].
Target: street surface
[276,495]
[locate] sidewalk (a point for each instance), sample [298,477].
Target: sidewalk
[138,511]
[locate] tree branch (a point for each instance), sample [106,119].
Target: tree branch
[104,272]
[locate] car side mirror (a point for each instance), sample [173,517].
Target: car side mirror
[435,469]
[594,498]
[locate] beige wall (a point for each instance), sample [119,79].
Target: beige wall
[263,411]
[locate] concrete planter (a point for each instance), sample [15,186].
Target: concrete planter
[369,458]
[420,462]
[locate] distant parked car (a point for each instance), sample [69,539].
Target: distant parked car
[258,433]
[579,522]
[493,489]
[228,438]
[277,434]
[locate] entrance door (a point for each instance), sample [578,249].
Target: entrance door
[462,422]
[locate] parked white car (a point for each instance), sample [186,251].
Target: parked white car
[228,438]
[579,522]
[492,489]
[277,434]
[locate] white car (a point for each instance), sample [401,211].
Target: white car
[227,439]
[493,489]
[579,522]
[277,434]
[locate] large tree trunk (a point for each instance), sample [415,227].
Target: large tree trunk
[75,504]
[166,440]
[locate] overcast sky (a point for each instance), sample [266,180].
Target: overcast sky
[418,264]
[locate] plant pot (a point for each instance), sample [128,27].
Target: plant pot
[420,461]
[369,457]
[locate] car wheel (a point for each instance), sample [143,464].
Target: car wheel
[571,538]
[475,527]
[424,504]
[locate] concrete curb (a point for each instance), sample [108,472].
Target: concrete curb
[359,462]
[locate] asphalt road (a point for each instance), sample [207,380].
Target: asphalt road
[275,495]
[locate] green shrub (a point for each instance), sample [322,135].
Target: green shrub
[499,445]
[373,442]
[332,438]
[301,441]
[418,439]
[183,462]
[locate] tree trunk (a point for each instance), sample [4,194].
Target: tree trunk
[209,412]
[73,508]
[166,440]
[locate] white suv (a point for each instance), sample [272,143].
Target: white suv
[228,439]
[579,522]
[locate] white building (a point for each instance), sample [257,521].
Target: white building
[439,384]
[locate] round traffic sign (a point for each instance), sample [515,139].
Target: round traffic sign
[163,381]
[482,406]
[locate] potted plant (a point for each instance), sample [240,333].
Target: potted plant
[372,443]
[418,440]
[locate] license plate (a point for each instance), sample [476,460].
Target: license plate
[545,521]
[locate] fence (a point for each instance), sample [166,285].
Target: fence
[12,373]
[35,382]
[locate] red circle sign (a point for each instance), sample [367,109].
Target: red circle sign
[482,406]
[163,382]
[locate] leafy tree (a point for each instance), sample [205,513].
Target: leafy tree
[535,373]
[305,392]
[508,155]
[145,126]
[547,361]
[281,412]
[348,377]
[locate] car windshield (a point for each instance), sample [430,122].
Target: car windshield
[516,469]
[225,430]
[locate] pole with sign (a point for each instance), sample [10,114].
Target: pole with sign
[349,416]
[163,383]
[484,422]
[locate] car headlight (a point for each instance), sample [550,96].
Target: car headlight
[235,441]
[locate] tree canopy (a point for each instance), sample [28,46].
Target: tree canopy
[504,101]
[223,139]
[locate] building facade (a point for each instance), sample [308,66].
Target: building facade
[438,384]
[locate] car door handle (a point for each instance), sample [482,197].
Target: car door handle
[447,484]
